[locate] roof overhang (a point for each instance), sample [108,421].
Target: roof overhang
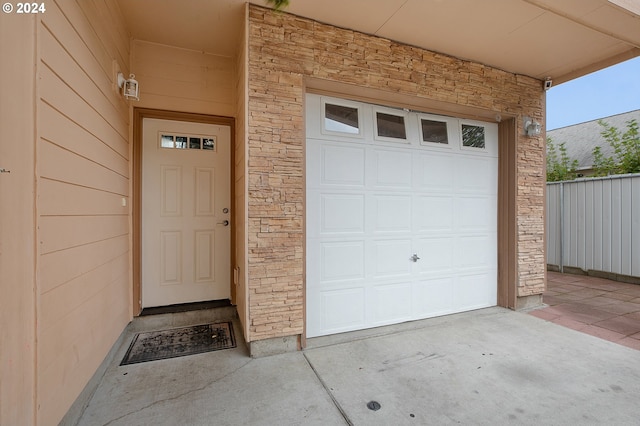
[560,39]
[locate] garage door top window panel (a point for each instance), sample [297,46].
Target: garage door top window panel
[350,120]
[473,137]
[390,126]
[342,119]
[434,132]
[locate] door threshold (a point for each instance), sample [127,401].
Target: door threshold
[186,307]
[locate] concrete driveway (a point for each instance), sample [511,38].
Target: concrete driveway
[486,367]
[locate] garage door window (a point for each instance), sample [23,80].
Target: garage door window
[341,119]
[473,136]
[390,126]
[434,131]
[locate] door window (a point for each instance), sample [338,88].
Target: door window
[207,143]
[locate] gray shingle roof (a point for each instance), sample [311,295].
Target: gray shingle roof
[581,139]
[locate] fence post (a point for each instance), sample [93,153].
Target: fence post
[561,227]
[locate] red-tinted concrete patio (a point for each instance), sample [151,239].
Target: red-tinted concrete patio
[603,308]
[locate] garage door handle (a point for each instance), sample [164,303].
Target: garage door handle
[414,257]
[224,223]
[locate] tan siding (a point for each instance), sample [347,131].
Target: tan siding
[83,332]
[73,43]
[60,198]
[86,30]
[184,80]
[62,232]
[76,139]
[83,175]
[75,295]
[70,167]
[111,13]
[109,105]
[59,95]
[17,216]
[59,268]
[99,15]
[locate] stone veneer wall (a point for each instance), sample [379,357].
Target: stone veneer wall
[283,51]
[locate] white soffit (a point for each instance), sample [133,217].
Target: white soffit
[562,39]
[632,6]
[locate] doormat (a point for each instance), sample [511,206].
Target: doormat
[177,342]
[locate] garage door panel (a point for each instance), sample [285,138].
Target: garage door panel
[391,213]
[342,309]
[434,173]
[475,214]
[474,252]
[475,291]
[433,213]
[342,165]
[342,260]
[389,260]
[342,213]
[437,255]
[313,268]
[314,214]
[432,297]
[390,304]
[391,169]
[472,175]
[313,167]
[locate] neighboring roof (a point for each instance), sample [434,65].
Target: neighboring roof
[581,139]
[561,39]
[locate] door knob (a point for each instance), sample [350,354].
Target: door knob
[414,258]
[224,223]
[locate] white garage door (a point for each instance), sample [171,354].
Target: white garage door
[401,215]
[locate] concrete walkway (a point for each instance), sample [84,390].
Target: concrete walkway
[603,308]
[487,367]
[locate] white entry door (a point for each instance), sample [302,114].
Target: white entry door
[185,212]
[401,212]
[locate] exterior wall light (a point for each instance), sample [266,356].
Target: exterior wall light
[531,127]
[130,87]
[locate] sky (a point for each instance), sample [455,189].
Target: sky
[611,91]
